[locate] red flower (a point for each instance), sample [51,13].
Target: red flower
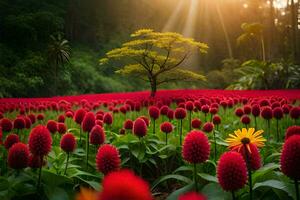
[40,141]
[290,157]
[245,119]
[88,122]
[153,112]
[61,118]
[232,171]
[10,140]
[1,135]
[35,162]
[6,124]
[180,113]
[254,156]
[40,117]
[108,118]
[97,135]
[27,122]
[128,124]
[79,115]
[266,112]
[125,185]
[213,110]
[292,130]
[196,147]
[189,106]
[278,113]
[216,120]
[19,123]
[69,114]
[108,159]
[164,110]
[247,109]
[205,108]
[52,126]
[170,114]
[32,118]
[18,156]
[196,123]
[139,127]
[239,112]
[61,128]
[192,196]
[295,112]
[166,127]
[286,109]
[208,127]
[255,110]
[146,120]
[68,142]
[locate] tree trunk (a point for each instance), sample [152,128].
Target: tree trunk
[294,29]
[153,84]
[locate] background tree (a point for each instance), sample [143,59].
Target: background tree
[58,54]
[155,57]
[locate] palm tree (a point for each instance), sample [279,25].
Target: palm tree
[58,54]
[253,31]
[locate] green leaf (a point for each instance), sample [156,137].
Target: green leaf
[174,195]
[56,193]
[208,177]
[52,179]
[263,171]
[183,168]
[214,191]
[171,176]
[272,184]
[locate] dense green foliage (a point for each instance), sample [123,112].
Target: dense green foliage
[95,27]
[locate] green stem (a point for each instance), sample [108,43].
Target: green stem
[80,136]
[249,172]
[153,126]
[297,189]
[277,129]
[195,176]
[40,173]
[87,149]
[180,134]
[166,138]
[255,123]
[233,195]
[190,120]
[215,143]
[68,155]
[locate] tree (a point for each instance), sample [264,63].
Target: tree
[58,54]
[156,57]
[253,32]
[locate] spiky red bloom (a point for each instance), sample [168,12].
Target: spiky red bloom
[196,147]
[27,122]
[170,114]
[295,112]
[278,113]
[88,122]
[1,135]
[286,109]
[247,109]
[108,118]
[153,112]
[61,128]
[79,115]
[205,108]
[290,157]
[254,156]
[192,196]
[217,120]
[166,127]
[139,127]
[40,117]
[266,112]
[245,119]
[196,123]
[52,126]
[19,123]
[213,110]
[40,141]
[146,120]
[18,156]
[35,162]
[108,159]
[68,142]
[292,130]
[232,171]
[189,106]
[128,124]
[6,124]
[61,118]
[97,135]
[164,110]
[208,127]
[125,185]
[239,112]
[32,118]
[10,140]
[180,113]
[255,110]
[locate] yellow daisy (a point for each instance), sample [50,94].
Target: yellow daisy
[245,137]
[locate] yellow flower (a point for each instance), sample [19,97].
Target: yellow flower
[86,194]
[245,137]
